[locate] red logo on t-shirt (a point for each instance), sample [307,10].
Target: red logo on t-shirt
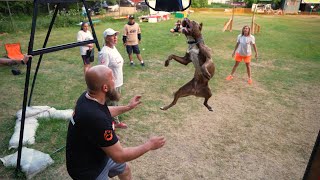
[108,135]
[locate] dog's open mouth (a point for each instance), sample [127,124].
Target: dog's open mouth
[186,26]
[184,30]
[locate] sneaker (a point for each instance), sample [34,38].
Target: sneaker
[121,125]
[250,81]
[131,64]
[230,77]
[142,64]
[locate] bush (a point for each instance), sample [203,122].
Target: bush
[199,3]
[219,5]
[24,22]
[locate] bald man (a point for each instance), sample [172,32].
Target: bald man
[93,149]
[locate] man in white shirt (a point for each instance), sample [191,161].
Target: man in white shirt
[110,57]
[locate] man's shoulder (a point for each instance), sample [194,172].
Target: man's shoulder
[136,25]
[103,49]
[86,113]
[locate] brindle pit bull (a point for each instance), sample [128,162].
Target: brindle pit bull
[200,55]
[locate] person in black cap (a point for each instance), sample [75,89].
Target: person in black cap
[131,39]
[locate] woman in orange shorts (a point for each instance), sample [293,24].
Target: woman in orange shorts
[242,51]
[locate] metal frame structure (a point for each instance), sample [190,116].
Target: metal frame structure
[312,169]
[43,51]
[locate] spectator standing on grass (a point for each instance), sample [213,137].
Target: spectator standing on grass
[93,150]
[83,35]
[110,57]
[131,39]
[242,51]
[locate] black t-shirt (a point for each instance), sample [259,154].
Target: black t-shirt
[168,5]
[89,130]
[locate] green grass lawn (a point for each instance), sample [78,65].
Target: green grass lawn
[286,71]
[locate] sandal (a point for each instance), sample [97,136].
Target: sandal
[230,77]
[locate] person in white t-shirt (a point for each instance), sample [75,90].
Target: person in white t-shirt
[242,51]
[110,57]
[83,35]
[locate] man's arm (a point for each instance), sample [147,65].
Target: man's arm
[121,155]
[103,58]
[124,37]
[9,62]
[124,40]
[139,37]
[117,110]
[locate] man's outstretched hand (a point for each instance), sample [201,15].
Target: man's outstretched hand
[134,102]
[156,142]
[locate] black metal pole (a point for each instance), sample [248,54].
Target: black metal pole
[42,51]
[61,47]
[26,85]
[44,45]
[316,148]
[91,24]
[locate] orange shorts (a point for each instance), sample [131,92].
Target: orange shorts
[239,58]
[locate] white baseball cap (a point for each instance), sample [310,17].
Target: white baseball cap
[109,32]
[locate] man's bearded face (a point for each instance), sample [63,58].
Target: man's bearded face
[113,95]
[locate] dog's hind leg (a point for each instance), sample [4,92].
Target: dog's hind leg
[184,91]
[206,93]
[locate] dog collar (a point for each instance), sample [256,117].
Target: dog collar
[192,42]
[195,41]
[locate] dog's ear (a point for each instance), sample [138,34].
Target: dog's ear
[200,26]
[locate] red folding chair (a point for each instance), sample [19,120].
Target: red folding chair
[14,51]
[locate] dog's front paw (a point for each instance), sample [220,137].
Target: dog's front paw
[205,72]
[207,75]
[166,63]
[162,108]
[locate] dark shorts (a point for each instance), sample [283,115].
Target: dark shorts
[111,170]
[176,29]
[85,59]
[134,48]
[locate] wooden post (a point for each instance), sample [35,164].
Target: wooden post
[119,8]
[252,21]
[231,23]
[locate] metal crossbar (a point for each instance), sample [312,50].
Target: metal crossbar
[43,51]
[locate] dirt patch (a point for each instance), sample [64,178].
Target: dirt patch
[248,136]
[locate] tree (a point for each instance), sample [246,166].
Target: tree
[250,2]
[199,3]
